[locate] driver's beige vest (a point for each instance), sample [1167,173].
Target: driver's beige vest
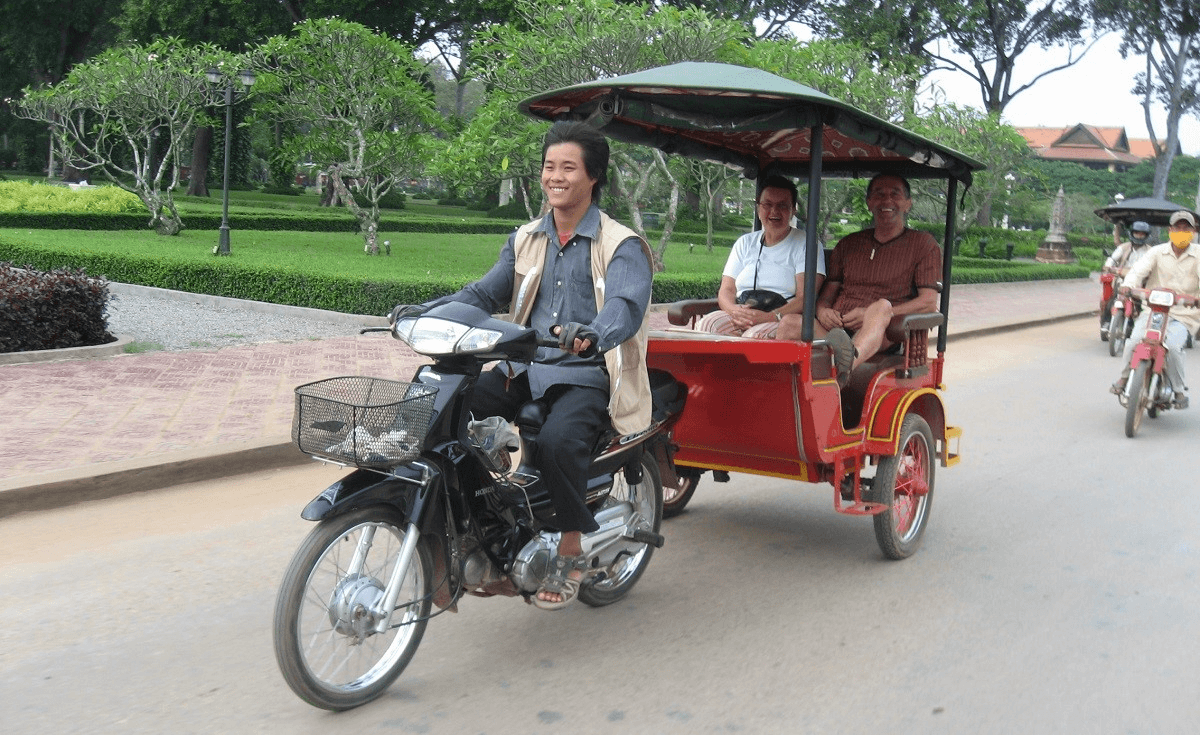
[628,379]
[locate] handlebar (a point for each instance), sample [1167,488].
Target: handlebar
[364,330]
[1181,299]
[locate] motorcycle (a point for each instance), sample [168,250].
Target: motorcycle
[436,509]
[1121,317]
[1148,390]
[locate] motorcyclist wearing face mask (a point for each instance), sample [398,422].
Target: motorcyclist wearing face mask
[1122,259]
[1174,265]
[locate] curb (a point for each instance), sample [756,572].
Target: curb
[67,353]
[52,490]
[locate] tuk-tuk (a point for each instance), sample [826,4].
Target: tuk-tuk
[774,407]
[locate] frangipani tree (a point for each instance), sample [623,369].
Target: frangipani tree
[356,100]
[125,115]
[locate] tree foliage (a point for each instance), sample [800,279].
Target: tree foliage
[360,110]
[985,138]
[555,46]
[1167,34]
[125,113]
[992,34]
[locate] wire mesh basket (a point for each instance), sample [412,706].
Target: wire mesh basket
[365,422]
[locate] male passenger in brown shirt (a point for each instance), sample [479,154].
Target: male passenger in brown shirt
[873,275]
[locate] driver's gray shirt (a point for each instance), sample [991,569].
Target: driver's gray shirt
[566,294]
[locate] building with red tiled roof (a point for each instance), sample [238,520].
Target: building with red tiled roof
[1091,145]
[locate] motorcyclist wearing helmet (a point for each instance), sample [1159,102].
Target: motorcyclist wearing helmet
[1121,260]
[1174,265]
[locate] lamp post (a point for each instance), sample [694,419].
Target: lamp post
[214,76]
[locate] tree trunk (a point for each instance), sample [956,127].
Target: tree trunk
[201,151]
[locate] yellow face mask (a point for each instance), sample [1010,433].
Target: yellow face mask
[1181,239]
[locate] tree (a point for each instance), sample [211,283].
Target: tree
[555,46]
[1167,33]
[125,114]
[358,105]
[992,34]
[985,138]
[775,17]
[41,41]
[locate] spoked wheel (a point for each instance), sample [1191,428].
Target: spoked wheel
[675,499]
[904,483]
[1139,399]
[325,638]
[1116,334]
[647,499]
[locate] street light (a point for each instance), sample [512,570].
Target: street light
[214,76]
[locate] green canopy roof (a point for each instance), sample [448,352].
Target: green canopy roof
[747,118]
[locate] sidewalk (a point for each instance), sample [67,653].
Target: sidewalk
[84,429]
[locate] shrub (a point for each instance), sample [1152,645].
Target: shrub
[47,311]
[22,196]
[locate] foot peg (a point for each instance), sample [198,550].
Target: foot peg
[649,537]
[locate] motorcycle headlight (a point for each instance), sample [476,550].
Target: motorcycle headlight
[1162,298]
[433,336]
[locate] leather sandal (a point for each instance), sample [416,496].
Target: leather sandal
[559,581]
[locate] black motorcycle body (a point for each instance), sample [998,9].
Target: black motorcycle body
[438,509]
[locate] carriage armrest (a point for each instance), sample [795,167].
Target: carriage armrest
[685,313]
[900,326]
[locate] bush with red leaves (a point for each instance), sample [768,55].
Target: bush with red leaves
[48,311]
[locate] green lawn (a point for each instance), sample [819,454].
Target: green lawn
[333,254]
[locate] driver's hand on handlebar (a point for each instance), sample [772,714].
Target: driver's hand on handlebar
[406,310]
[579,339]
[1123,290]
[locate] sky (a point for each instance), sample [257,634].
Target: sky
[1096,91]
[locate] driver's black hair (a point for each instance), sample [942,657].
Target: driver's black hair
[593,144]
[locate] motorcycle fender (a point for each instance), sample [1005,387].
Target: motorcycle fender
[364,487]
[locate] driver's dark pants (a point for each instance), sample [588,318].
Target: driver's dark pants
[578,416]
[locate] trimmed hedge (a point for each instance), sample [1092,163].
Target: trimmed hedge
[220,277]
[223,277]
[310,223]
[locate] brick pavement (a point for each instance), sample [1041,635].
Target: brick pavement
[67,421]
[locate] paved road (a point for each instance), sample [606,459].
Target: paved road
[1056,593]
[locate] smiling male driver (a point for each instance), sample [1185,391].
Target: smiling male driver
[580,276]
[873,275]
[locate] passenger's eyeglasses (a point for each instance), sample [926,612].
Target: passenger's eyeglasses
[775,206]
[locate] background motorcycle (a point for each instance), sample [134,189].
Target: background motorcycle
[1122,315]
[437,511]
[1148,391]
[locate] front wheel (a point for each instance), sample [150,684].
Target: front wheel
[904,483]
[1139,398]
[647,499]
[325,639]
[1116,334]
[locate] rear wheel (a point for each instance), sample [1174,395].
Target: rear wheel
[1139,398]
[904,483]
[325,639]
[675,499]
[647,499]
[1116,334]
